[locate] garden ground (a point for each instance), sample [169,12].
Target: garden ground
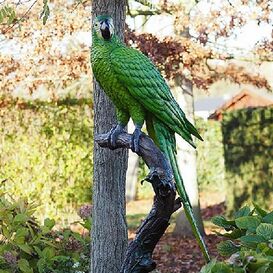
[173,254]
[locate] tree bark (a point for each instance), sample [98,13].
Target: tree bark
[132,177]
[132,172]
[186,157]
[109,229]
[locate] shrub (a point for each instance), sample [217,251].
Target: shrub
[46,155]
[27,247]
[210,155]
[249,243]
[248,142]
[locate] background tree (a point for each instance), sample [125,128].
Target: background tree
[185,60]
[109,230]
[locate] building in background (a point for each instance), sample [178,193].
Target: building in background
[245,99]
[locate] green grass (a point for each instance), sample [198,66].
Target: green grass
[134,220]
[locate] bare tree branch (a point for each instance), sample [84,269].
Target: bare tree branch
[21,18]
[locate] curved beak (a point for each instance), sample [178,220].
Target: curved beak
[105,30]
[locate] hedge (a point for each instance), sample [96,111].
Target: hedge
[248,150]
[46,155]
[210,156]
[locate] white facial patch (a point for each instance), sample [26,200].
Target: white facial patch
[100,25]
[111,25]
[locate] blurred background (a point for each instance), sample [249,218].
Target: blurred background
[216,56]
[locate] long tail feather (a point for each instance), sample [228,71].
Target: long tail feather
[165,139]
[186,203]
[193,130]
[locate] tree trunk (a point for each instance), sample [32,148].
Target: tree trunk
[132,176]
[186,157]
[132,171]
[109,230]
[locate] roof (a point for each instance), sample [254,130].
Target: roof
[245,99]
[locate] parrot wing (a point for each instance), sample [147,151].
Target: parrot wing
[145,83]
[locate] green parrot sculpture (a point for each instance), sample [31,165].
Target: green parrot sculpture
[138,91]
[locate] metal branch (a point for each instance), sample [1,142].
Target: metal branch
[139,254]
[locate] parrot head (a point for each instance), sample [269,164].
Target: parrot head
[104,27]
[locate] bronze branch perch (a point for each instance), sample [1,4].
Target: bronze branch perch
[139,253]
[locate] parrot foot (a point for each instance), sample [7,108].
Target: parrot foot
[135,139]
[113,135]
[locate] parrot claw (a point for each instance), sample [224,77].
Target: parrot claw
[135,139]
[113,135]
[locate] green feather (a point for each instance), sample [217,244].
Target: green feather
[166,141]
[144,82]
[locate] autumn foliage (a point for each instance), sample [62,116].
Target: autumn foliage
[51,59]
[54,60]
